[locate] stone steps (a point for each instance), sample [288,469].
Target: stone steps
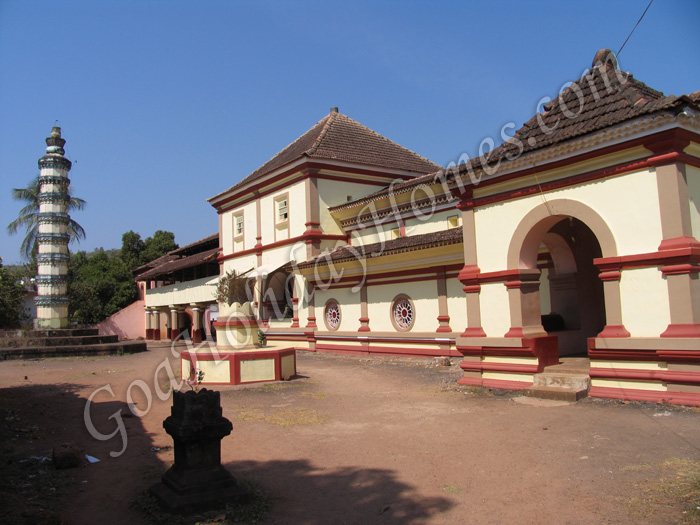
[568,381]
[36,352]
[58,341]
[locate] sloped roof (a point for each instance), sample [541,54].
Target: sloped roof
[338,137]
[402,244]
[205,244]
[601,98]
[180,264]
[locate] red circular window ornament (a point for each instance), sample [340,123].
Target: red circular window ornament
[403,313]
[332,315]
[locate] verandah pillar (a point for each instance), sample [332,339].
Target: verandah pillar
[149,324]
[682,274]
[196,323]
[524,303]
[469,274]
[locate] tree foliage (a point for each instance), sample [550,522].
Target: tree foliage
[12,293]
[100,284]
[98,287]
[136,252]
[29,217]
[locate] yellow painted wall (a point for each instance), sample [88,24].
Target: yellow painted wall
[456,305]
[349,308]
[333,193]
[628,203]
[424,297]
[645,306]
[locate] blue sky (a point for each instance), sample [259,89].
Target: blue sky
[166,103]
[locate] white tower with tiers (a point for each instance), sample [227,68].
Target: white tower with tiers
[52,238]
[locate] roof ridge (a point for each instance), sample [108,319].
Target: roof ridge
[330,118]
[387,140]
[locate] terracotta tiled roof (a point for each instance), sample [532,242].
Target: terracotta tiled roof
[180,264]
[379,249]
[338,137]
[209,242]
[601,98]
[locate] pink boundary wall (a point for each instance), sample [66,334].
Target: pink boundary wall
[127,323]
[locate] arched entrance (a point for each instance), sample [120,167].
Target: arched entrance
[562,238]
[277,297]
[572,304]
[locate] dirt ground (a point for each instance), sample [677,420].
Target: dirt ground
[354,439]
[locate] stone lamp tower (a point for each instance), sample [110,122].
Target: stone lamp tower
[52,238]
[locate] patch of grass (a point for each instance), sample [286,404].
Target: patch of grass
[315,395]
[283,417]
[249,414]
[254,510]
[452,489]
[677,490]
[288,417]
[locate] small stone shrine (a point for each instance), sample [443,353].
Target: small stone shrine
[197,480]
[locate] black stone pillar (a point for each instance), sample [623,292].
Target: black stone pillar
[197,480]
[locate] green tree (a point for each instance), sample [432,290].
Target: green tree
[12,294]
[98,286]
[132,249]
[161,243]
[29,217]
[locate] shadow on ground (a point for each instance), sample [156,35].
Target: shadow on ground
[36,418]
[302,493]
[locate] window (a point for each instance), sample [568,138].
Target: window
[282,210]
[238,225]
[331,314]
[402,313]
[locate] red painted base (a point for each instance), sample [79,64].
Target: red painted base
[196,335]
[149,334]
[676,398]
[156,334]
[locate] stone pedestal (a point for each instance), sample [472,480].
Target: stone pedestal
[238,357]
[197,479]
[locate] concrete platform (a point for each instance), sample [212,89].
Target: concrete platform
[269,363]
[34,344]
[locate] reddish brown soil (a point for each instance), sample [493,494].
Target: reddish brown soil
[355,439]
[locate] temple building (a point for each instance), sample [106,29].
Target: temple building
[576,238]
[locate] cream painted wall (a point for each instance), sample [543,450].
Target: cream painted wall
[644,298]
[692,175]
[297,214]
[226,233]
[456,305]
[429,223]
[495,310]
[249,226]
[297,208]
[240,264]
[349,302]
[197,291]
[333,193]
[628,203]
[422,293]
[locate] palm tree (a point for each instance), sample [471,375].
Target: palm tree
[29,217]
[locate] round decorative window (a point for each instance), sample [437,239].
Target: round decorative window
[332,315]
[403,313]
